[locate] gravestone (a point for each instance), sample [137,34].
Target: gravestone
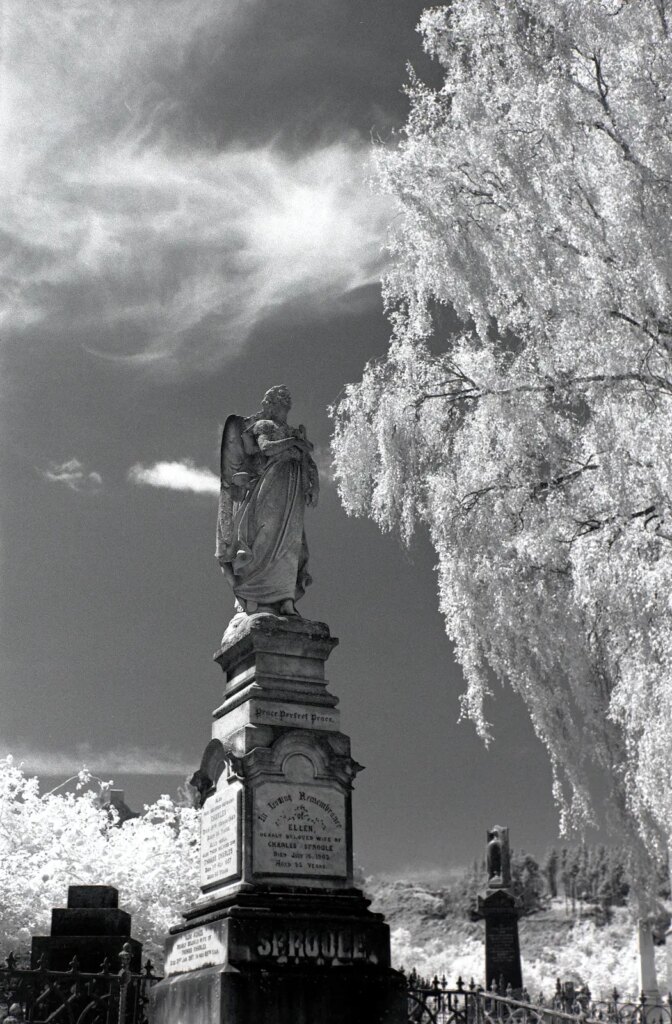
[500,910]
[279,934]
[92,928]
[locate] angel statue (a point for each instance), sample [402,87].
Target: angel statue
[268,476]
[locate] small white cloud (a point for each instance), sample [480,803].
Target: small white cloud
[176,476]
[73,474]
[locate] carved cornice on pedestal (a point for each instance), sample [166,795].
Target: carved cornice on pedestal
[327,764]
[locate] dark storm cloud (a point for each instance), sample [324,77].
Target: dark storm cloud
[154,208]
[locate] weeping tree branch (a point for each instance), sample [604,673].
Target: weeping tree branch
[460,388]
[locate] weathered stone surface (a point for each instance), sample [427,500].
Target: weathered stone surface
[308,932]
[92,896]
[502,947]
[276,958]
[279,935]
[286,646]
[291,821]
[299,830]
[294,715]
[268,476]
[92,928]
[90,921]
[221,835]
[498,858]
[250,995]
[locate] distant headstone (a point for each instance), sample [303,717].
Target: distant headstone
[499,908]
[92,928]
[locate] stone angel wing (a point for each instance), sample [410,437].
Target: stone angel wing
[234,476]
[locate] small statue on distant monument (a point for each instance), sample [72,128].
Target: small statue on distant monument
[268,476]
[498,858]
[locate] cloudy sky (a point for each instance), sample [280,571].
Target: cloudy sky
[186,221]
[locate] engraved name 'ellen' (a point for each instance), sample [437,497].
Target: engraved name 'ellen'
[299,830]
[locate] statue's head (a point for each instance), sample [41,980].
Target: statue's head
[277,397]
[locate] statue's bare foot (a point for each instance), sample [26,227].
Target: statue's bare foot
[287,608]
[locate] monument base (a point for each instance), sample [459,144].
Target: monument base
[279,934]
[252,995]
[91,928]
[280,957]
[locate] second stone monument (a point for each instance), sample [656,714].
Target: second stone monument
[499,908]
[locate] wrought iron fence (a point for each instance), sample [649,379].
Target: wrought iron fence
[38,996]
[434,1002]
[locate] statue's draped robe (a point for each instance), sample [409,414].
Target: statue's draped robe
[260,532]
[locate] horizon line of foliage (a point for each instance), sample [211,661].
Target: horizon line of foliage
[591,879]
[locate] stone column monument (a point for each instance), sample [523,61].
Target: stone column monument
[498,906]
[279,934]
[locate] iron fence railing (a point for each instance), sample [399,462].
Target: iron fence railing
[435,1002]
[39,995]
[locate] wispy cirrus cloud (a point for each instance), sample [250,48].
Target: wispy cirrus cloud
[74,475]
[124,760]
[148,242]
[175,476]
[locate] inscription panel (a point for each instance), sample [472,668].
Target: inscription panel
[299,830]
[502,942]
[321,945]
[298,716]
[220,835]
[201,947]
[261,712]
[275,941]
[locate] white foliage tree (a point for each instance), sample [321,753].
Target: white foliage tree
[59,839]
[534,199]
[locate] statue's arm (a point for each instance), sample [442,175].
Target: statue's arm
[268,446]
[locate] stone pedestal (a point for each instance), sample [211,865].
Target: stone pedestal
[502,948]
[91,928]
[279,933]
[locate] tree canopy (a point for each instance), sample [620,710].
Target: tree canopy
[523,410]
[51,841]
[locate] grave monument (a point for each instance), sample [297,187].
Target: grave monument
[91,928]
[499,907]
[279,934]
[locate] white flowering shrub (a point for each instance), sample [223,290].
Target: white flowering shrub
[59,839]
[523,411]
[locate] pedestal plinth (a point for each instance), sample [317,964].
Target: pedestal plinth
[502,946]
[91,928]
[279,934]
